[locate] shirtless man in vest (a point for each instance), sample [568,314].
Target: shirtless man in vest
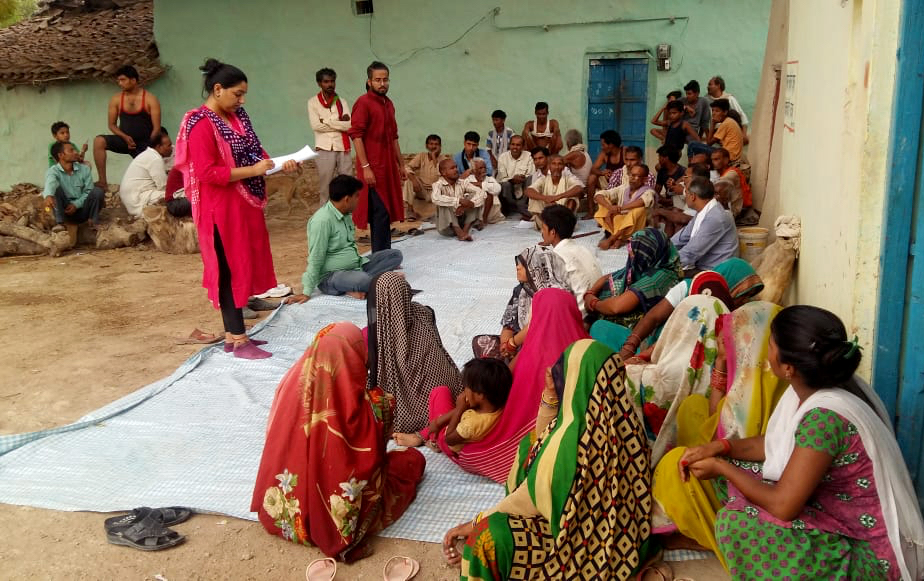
[134,118]
[542,132]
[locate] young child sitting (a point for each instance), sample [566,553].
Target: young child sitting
[487,384]
[62,134]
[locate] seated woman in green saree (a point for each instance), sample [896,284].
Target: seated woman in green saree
[653,267]
[579,498]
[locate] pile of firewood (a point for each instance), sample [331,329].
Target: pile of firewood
[26,226]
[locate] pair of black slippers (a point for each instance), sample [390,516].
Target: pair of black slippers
[146,529]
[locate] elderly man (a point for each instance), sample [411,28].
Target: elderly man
[470,151]
[145,180]
[711,236]
[624,210]
[514,168]
[492,213]
[422,171]
[458,203]
[558,187]
[577,159]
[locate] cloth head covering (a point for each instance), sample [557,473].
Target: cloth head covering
[588,475]
[743,281]
[406,355]
[236,149]
[556,323]
[544,269]
[324,476]
[711,284]
[652,269]
[897,497]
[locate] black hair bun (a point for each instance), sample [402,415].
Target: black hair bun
[211,65]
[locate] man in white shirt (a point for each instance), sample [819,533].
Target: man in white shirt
[558,187]
[480,179]
[557,225]
[514,167]
[145,180]
[458,204]
[329,116]
[716,90]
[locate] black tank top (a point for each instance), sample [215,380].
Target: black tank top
[138,126]
[675,137]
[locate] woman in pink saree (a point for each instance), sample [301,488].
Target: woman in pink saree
[555,324]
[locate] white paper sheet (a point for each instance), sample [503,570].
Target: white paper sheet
[303,154]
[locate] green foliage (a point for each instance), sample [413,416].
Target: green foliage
[12,11]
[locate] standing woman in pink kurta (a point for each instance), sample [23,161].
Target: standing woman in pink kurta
[223,165]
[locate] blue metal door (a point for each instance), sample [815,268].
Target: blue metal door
[898,364]
[617,98]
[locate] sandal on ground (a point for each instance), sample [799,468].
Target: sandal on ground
[415,232]
[147,534]
[197,337]
[167,516]
[400,569]
[321,570]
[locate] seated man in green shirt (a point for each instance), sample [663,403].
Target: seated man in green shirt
[334,264]
[69,188]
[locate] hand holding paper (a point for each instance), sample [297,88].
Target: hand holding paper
[303,154]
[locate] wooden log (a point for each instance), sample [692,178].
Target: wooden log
[54,244]
[13,246]
[170,234]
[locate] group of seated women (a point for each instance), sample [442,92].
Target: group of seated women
[688,408]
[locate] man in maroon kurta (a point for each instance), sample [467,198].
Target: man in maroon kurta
[374,132]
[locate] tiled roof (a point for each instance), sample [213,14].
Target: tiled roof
[69,40]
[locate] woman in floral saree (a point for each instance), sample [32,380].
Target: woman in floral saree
[579,497]
[325,478]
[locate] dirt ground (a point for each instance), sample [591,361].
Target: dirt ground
[89,327]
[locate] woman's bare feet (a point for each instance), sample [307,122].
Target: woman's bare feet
[408,440]
[606,243]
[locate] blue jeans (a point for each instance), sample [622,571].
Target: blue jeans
[95,202]
[344,281]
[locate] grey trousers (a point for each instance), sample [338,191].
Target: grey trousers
[344,281]
[330,165]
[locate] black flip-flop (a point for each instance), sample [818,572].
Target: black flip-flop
[167,516]
[415,232]
[147,534]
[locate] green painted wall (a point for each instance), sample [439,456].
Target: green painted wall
[506,61]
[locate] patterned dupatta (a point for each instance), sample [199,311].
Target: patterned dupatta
[588,475]
[237,149]
[325,478]
[406,355]
[652,269]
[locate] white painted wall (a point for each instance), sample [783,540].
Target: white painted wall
[832,167]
